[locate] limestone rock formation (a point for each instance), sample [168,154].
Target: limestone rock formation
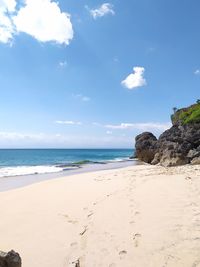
[178,145]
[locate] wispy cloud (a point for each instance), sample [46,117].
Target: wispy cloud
[197,72]
[17,136]
[104,9]
[62,64]
[6,24]
[69,122]
[82,97]
[135,79]
[116,59]
[86,98]
[96,124]
[42,19]
[140,126]
[44,140]
[148,126]
[151,49]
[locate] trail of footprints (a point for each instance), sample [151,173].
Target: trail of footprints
[77,246]
[81,242]
[134,212]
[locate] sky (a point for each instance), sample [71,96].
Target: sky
[94,74]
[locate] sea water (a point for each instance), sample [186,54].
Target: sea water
[14,162]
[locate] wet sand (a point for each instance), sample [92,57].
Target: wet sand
[8,183]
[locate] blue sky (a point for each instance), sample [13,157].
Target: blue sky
[81,74]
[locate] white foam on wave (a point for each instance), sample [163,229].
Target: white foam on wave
[28,170]
[119,159]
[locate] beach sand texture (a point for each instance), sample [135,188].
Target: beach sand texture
[132,217]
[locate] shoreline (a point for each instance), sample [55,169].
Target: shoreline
[18,181]
[135,216]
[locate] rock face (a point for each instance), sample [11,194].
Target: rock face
[10,259]
[145,147]
[177,146]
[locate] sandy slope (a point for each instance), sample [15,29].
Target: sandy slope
[137,216]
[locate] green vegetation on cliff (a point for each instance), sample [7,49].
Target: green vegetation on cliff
[187,115]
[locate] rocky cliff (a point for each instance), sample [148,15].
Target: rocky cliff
[177,146]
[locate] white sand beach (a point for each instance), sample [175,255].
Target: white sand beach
[132,217]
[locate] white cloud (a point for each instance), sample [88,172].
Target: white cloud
[135,79]
[85,98]
[148,126]
[104,9]
[6,24]
[197,72]
[62,64]
[13,136]
[82,97]
[69,122]
[9,5]
[42,19]
[140,126]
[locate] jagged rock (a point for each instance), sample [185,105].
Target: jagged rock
[156,159]
[195,161]
[146,147]
[170,158]
[193,153]
[178,145]
[10,259]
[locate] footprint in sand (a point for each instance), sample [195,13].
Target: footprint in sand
[196,263]
[72,221]
[193,204]
[83,231]
[74,244]
[90,214]
[122,254]
[74,259]
[168,259]
[69,220]
[98,180]
[75,263]
[136,238]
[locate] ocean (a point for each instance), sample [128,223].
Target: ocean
[17,162]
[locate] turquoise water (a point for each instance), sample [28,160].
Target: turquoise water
[32,161]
